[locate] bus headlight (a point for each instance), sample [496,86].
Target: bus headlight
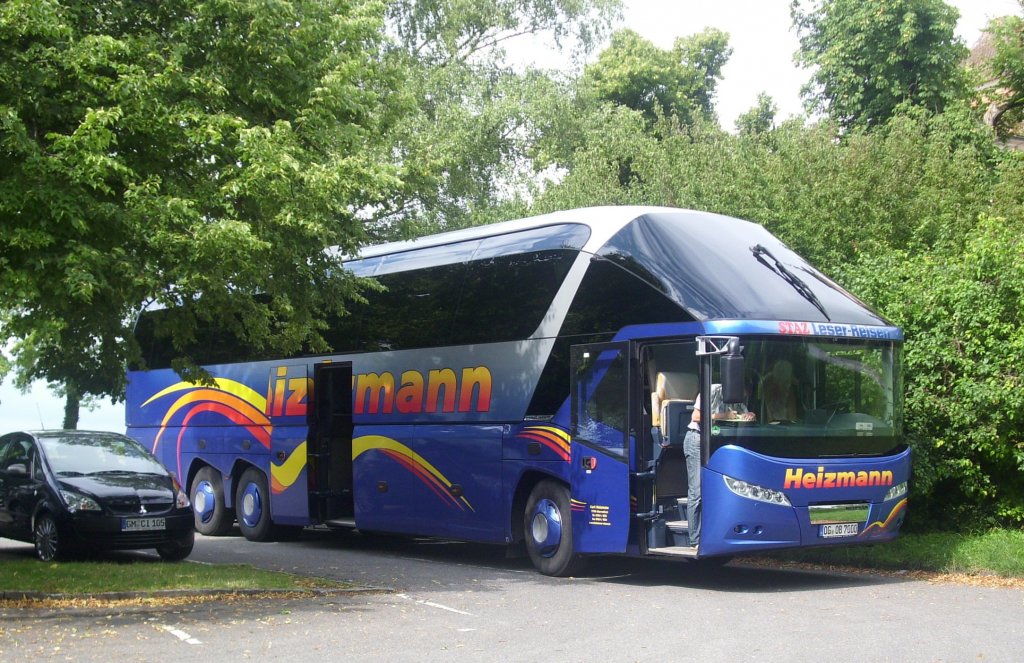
[754,492]
[899,490]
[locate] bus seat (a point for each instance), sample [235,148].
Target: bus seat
[676,386]
[673,393]
[675,419]
[670,474]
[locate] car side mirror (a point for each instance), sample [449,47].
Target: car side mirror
[17,470]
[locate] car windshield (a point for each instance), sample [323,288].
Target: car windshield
[79,454]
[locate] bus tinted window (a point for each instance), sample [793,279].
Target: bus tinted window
[415,311]
[213,344]
[502,298]
[505,297]
[611,298]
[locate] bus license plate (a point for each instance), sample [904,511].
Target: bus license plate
[835,530]
[143,524]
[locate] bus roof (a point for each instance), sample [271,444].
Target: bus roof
[603,222]
[714,267]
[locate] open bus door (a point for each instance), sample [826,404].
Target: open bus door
[330,443]
[600,428]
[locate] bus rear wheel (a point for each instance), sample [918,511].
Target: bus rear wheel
[547,525]
[212,516]
[252,504]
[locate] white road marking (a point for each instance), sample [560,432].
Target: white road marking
[431,604]
[181,635]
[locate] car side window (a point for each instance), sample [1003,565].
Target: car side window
[16,453]
[5,446]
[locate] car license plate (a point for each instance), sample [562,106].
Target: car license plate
[143,524]
[836,530]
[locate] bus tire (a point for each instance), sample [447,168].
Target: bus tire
[547,527]
[212,516]
[252,506]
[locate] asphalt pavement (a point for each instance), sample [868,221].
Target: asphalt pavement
[435,600]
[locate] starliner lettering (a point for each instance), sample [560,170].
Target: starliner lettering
[797,478]
[833,329]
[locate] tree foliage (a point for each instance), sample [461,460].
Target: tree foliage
[760,118]
[1007,70]
[870,56]
[679,82]
[199,155]
[466,149]
[964,388]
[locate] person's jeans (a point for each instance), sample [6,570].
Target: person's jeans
[691,449]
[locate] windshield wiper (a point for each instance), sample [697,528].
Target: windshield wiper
[788,276]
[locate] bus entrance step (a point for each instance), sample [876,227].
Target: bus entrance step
[680,551]
[678,526]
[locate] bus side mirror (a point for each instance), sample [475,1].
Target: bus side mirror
[732,372]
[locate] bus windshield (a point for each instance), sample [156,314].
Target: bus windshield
[815,398]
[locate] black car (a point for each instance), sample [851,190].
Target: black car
[75,490]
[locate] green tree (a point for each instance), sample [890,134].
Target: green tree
[679,82]
[1006,112]
[466,151]
[197,155]
[964,389]
[870,56]
[760,118]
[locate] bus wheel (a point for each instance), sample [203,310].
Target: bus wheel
[547,525]
[252,504]
[212,516]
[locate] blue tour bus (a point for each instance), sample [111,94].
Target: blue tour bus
[510,382]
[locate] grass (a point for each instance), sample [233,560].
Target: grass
[998,552]
[142,575]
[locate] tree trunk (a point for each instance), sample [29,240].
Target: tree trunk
[71,402]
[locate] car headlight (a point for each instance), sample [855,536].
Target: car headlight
[899,490]
[754,492]
[79,502]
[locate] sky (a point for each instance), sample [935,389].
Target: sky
[762,61]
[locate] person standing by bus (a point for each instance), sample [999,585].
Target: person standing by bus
[691,450]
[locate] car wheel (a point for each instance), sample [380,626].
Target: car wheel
[177,551]
[47,538]
[252,505]
[212,516]
[547,524]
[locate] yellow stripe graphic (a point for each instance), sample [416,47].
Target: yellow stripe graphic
[233,387]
